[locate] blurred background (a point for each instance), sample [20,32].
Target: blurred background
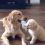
[31,8]
[8,4]
[18,3]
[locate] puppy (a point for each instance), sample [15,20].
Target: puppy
[34,29]
[12,26]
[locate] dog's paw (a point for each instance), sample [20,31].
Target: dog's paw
[24,44]
[5,44]
[31,42]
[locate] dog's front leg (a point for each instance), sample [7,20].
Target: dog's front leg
[4,38]
[33,40]
[23,41]
[31,32]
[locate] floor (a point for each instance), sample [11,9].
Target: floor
[35,12]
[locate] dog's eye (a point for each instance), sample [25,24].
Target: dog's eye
[19,14]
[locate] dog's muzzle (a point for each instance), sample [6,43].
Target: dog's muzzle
[24,19]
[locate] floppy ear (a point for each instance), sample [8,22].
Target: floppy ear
[34,25]
[9,18]
[4,21]
[10,15]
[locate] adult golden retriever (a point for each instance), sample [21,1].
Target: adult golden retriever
[12,26]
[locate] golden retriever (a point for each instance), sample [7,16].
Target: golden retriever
[34,29]
[12,26]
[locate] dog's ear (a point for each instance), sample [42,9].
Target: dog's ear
[9,18]
[34,25]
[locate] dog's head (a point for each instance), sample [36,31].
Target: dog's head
[17,15]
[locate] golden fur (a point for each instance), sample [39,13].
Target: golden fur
[34,29]
[12,26]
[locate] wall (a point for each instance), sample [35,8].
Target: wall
[35,1]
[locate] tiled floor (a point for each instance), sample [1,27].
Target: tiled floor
[35,12]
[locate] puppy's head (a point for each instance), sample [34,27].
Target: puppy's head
[17,15]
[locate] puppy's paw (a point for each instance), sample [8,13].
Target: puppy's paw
[31,42]
[24,44]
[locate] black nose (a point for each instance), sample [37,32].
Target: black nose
[19,21]
[25,19]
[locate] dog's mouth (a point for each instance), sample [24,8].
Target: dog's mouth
[25,19]
[19,21]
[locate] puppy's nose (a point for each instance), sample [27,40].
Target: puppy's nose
[25,19]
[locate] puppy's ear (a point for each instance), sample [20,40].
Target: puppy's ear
[34,26]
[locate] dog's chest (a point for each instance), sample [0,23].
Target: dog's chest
[25,30]
[27,35]
[10,28]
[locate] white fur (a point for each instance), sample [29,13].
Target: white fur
[31,32]
[35,30]
[23,41]
[24,25]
